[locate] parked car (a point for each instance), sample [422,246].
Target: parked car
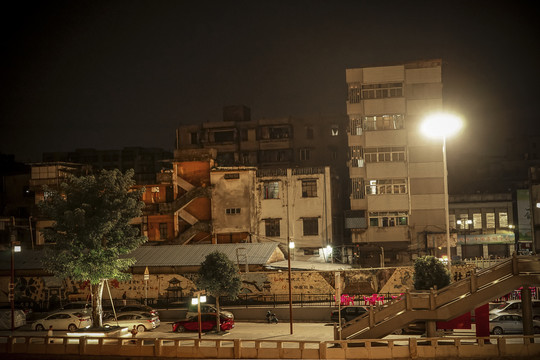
[208,322]
[207,309]
[142,321]
[348,313]
[510,324]
[82,306]
[64,320]
[514,307]
[137,308]
[5,318]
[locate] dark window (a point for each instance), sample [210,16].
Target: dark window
[163,231]
[232,211]
[271,227]
[309,132]
[232,176]
[311,226]
[194,139]
[309,188]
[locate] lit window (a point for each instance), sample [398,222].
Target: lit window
[490,220]
[271,190]
[388,219]
[387,186]
[503,220]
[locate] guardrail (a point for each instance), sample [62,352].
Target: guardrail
[429,348]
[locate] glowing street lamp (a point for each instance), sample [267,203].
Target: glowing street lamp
[441,126]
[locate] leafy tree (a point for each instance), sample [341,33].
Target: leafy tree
[91,230]
[219,276]
[429,271]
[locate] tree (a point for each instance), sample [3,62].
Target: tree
[219,276]
[91,230]
[429,272]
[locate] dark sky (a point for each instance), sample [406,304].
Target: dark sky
[109,74]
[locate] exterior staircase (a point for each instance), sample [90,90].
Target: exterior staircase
[447,303]
[184,200]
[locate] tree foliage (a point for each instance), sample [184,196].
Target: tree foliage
[91,228]
[429,271]
[219,276]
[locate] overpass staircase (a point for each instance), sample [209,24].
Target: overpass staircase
[447,303]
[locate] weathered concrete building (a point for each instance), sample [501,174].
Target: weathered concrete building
[397,193]
[274,205]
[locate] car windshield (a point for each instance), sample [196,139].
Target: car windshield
[502,306]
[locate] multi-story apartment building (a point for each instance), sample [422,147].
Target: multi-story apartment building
[274,205]
[396,174]
[484,224]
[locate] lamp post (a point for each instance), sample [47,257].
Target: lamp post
[15,247]
[201,297]
[440,126]
[290,245]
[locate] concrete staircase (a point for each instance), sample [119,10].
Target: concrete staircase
[447,303]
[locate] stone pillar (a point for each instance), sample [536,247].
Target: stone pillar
[526,310]
[485,251]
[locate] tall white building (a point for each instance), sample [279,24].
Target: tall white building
[397,195]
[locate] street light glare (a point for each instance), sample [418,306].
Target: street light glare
[441,125]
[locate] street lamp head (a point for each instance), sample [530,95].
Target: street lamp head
[441,125]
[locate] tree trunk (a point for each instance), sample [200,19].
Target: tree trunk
[218,318]
[97,294]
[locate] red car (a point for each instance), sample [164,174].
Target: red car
[208,322]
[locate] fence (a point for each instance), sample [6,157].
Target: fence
[428,348]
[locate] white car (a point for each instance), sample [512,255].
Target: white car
[64,320]
[142,321]
[506,323]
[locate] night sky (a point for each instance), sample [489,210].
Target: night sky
[110,74]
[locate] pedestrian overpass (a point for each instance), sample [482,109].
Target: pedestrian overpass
[450,302]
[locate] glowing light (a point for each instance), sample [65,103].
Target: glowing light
[291,245]
[441,125]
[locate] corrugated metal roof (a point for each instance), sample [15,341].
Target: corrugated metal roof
[193,255]
[162,255]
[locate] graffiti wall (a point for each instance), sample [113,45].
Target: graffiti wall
[49,291]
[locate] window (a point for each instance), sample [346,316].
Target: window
[194,138]
[271,190]
[224,136]
[311,226]
[305,154]
[271,227]
[452,221]
[309,132]
[380,91]
[387,186]
[309,188]
[244,134]
[334,131]
[232,176]
[490,221]
[503,220]
[383,122]
[354,92]
[464,223]
[388,219]
[163,231]
[477,221]
[357,156]
[232,211]
[357,188]
[384,154]
[356,125]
